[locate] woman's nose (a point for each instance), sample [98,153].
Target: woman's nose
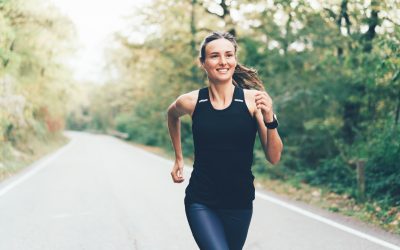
[222,61]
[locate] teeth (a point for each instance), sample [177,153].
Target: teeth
[222,70]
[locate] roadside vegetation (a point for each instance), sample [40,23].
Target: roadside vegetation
[34,81]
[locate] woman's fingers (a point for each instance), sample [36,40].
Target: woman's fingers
[180,173]
[177,175]
[262,106]
[263,101]
[259,93]
[177,179]
[262,96]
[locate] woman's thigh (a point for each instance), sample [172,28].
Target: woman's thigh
[236,224]
[206,226]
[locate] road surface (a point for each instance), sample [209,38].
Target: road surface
[99,192]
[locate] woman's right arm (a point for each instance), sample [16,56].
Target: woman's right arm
[184,104]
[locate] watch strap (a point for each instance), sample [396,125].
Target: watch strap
[273,124]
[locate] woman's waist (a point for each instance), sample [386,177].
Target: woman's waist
[222,154]
[217,173]
[223,159]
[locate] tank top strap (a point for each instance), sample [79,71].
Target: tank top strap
[203,95]
[238,95]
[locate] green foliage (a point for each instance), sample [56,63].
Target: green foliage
[34,37]
[333,173]
[383,165]
[333,76]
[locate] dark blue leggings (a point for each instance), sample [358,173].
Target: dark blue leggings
[218,229]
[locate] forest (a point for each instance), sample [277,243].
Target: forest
[34,79]
[332,69]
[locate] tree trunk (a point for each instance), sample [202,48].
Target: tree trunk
[226,16]
[7,60]
[351,112]
[230,26]
[396,119]
[193,31]
[372,23]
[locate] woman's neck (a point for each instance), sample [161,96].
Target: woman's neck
[221,93]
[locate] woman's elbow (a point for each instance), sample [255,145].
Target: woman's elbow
[275,162]
[170,108]
[275,158]
[171,111]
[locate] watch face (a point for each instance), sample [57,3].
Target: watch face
[275,121]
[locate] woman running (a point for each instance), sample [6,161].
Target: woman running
[226,116]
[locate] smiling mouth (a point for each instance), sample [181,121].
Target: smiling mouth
[222,70]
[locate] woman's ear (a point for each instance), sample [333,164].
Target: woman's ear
[201,64]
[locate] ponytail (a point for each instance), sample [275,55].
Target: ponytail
[246,78]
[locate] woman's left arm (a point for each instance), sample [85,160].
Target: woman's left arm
[270,139]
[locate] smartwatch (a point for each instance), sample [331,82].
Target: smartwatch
[273,124]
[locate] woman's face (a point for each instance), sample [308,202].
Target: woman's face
[220,60]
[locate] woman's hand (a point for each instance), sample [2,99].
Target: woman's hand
[177,171]
[264,102]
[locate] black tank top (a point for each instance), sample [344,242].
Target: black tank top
[223,153]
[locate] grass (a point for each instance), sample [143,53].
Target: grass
[387,218]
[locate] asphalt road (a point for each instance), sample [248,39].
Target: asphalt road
[101,193]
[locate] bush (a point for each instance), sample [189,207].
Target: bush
[333,173]
[383,166]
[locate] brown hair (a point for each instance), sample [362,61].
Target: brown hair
[243,77]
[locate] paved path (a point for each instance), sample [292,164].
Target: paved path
[101,193]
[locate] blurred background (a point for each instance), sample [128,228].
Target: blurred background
[332,69]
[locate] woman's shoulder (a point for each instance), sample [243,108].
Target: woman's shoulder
[188,101]
[249,97]
[250,93]
[189,96]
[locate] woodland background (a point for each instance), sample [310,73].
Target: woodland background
[332,69]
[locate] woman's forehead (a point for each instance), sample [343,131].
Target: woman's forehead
[219,45]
